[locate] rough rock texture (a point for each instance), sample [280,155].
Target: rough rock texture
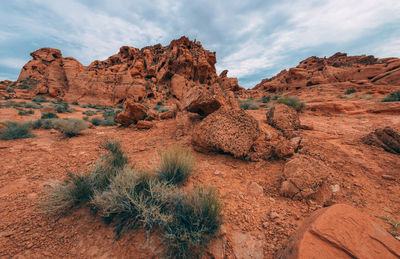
[304,177]
[154,72]
[284,118]
[144,124]
[386,138]
[340,231]
[246,246]
[337,68]
[132,114]
[228,131]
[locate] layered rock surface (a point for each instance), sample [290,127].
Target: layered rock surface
[362,70]
[154,72]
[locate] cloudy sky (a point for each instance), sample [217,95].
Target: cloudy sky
[253,39]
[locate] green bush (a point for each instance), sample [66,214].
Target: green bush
[49,115]
[84,105]
[100,122]
[393,97]
[47,123]
[265,99]
[10,90]
[70,127]
[25,112]
[89,113]
[39,99]
[15,131]
[61,196]
[350,91]
[292,102]
[176,165]
[249,104]
[33,105]
[129,199]
[276,96]
[62,107]
[197,218]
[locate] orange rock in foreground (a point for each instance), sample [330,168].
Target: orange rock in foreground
[340,231]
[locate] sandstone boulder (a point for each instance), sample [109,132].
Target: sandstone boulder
[386,138]
[284,118]
[144,124]
[340,231]
[228,131]
[203,101]
[132,114]
[304,177]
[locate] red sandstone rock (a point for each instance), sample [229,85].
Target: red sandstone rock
[144,124]
[338,68]
[150,73]
[229,131]
[340,231]
[386,138]
[303,176]
[132,114]
[284,118]
[168,114]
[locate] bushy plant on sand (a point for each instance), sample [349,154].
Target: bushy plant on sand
[176,165]
[15,130]
[292,102]
[70,127]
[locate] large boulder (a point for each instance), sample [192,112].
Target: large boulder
[386,138]
[203,100]
[228,131]
[133,113]
[305,177]
[284,118]
[340,231]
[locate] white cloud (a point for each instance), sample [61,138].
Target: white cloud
[13,63]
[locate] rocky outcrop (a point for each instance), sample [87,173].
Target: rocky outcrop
[366,70]
[227,131]
[386,138]
[340,231]
[304,177]
[133,113]
[284,118]
[154,72]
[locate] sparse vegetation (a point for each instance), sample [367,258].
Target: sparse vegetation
[276,96]
[49,115]
[61,107]
[249,104]
[33,105]
[130,199]
[25,112]
[350,91]
[265,99]
[39,99]
[15,130]
[393,97]
[70,127]
[292,102]
[100,122]
[176,165]
[89,113]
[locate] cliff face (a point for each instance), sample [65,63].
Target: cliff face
[154,72]
[363,69]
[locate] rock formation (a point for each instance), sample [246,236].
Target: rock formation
[154,72]
[340,231]
[386,138]
[360,70]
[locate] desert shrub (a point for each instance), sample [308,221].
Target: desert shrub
[292,102]
[83,105]
[366,96]
[10,90]
[135,199]
[33,105]
[265,99]
[15,131]
[393,97]
[249,104]
[25,112]
[75,103]
[49,115]
[39,99]
[176,165]
[61,196]
[47,123]
[100,122]
[109,115]
[10,104]
[89,113]
[62,107]
[197,218]
[70,127]
[276,96]
[350,91]
[94,106]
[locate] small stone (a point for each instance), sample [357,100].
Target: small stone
[388,177]
[273,215]
[256,189]
[335,188]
